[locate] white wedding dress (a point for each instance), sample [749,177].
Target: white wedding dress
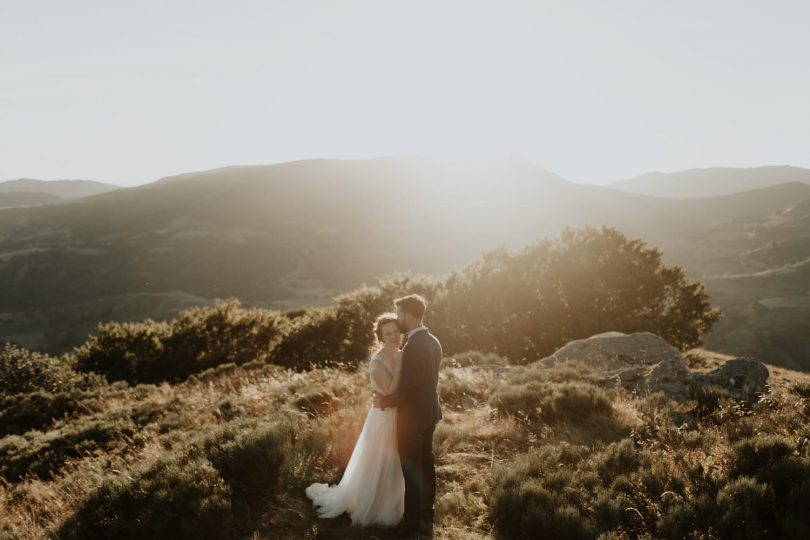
[372,489]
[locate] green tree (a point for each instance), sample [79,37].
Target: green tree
[527,304]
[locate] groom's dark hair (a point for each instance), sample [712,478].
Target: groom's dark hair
[415,304]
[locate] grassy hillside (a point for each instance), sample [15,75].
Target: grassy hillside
[228,453]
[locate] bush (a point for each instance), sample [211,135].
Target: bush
[249,460]
[198,339]
[213,488]
[561,491]
[317,403]
[522,401]
[746,509]
[128,351]
[753,456]
[617,459]
[24,371]
[202,338]
[43,454]
[529,500]
[463,387]
[36,410]
[575,402]
[317,338]
[552,402]
[178,497]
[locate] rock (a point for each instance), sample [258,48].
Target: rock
[614,350]
[747,378]
[632,375]
[668,376]
[673,369]
[640,362]
[643,363]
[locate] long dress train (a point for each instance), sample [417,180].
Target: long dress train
[372,489]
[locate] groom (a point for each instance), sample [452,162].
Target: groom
[418,411]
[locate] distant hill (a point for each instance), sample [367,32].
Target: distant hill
[10,199]
[711,182]
[299,233]
[758,269]
[64,189]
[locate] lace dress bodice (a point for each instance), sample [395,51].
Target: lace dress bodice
[377,361]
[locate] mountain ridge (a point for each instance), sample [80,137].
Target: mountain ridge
[711,181]
[64,189]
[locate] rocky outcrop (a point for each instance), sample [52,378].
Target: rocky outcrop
[615,350]
[643,363]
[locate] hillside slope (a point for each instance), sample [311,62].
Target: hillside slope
[65,189]
[711,181]
[9,199]
[299,233]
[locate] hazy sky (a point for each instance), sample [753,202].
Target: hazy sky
[128,92]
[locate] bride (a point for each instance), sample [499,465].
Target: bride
[372,489]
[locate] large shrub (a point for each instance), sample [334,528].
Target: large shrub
[216,487]
[37,389]
[527,304]
[130,351]
[198,339]
[23,371]
[552,402]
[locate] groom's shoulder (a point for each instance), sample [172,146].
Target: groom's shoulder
[429,339]
[435,340]
[419,339]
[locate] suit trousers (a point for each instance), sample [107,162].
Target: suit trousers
[419,470]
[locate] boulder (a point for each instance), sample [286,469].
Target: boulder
[643,363]
[611,351]
[670,376]
[747,378]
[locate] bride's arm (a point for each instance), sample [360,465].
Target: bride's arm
[380,375]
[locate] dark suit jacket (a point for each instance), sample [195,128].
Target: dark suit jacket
[416,397]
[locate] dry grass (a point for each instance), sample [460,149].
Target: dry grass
[471,443]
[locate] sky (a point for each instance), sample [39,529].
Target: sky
[596,91]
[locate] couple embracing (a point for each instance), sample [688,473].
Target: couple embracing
[391,475]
